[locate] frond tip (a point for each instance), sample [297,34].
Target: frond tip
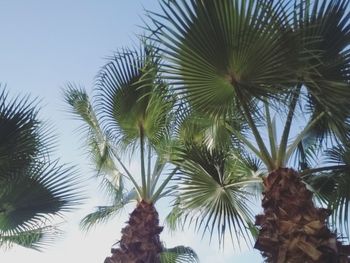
[34,238]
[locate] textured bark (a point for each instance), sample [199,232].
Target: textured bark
[292,229]
[140,241]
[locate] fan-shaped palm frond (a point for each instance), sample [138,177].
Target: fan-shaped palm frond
[133,101]
[212,192]
[179,254]
[224,51]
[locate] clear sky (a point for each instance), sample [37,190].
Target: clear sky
[45,44]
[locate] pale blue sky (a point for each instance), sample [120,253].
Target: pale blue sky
[45,44]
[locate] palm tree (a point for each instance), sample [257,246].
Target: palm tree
[281,70]
[33,188]
[131,115]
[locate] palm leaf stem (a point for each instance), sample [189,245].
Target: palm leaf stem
[163,185]
[264,153]
[144,193]
[149,162]
[158,168]
[271,132]
[129,176]
[247,143]
[301,135]
[321,169]
[285,135]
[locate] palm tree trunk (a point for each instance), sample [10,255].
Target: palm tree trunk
[140,241]
[292,229]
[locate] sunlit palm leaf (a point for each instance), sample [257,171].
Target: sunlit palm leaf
[179,254]
[99,143]
[212,132]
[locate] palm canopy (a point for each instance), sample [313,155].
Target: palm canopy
[272,63]
[132,111]
[33,187]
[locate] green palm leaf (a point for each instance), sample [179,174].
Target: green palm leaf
[224,51]
[19,132]
[179,254]
[34,238]
[33,188]
[212,132]
[100,145]
[308,152]
[212,192]
[340,200]
[133,100]
[324,32]
[105,213]
[34,195]
[332,185]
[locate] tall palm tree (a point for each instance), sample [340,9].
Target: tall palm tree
[33,187]
[131,115]
[282,68]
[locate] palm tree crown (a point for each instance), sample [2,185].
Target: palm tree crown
[132,113]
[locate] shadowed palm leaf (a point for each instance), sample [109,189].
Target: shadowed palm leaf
[333,185]
[324,31]
[19,132]
[33,188]
[34,238]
